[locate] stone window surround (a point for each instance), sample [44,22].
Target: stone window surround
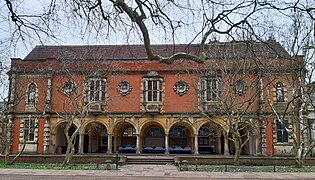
[102,92]
[22,125]
[203,88]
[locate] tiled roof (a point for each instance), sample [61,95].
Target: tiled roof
[215,50]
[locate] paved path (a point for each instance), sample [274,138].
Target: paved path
[141,172]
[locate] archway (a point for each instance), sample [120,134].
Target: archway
[126,137]
[180,139]
[153,139]
[209,139]
[61,140]
[95,138]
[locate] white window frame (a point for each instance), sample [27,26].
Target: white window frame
[96,89]
[152,89]
[283,132]
[29,127]
[213,90]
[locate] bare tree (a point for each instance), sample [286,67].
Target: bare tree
[200,21]
[83,98]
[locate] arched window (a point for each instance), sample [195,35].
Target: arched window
[31,93]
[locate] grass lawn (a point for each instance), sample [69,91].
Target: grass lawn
[231,168]
[57,166]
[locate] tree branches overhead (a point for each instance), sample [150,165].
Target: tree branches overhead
[168,21]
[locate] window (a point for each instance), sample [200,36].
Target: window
[178,132]
[210,89]
[96,89]
[152,89]
[131,131]
[282,134]
[31,93]
[155,132]
[29,128]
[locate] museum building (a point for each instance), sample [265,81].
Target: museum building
[122,102]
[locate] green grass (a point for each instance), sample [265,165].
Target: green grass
[56,166]
[231,168]
[208,168]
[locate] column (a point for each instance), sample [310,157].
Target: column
[226,144]
[115,141]
[166,144]
[138,144]
[257,144]
[196,145]
[218,145]
[90,140]
[109,143]
[81,136]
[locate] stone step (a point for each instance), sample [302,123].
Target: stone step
[150,160]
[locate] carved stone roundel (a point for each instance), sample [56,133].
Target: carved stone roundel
[68,88]
[181,87]
[124,88]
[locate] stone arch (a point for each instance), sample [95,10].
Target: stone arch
[59,137]
[120,123]
[86,123]
[210,138]
[186,124]
[125,133]
[95,137]
[181,137]
[152,135]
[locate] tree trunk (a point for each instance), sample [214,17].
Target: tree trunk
[69,154]
[237,150]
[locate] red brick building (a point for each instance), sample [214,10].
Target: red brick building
[137,106]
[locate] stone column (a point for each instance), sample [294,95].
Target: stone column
[109,144]
[138,144]
[218,146]
[166,144]
[115,142]
[81,136]
[226,144]
[196,145]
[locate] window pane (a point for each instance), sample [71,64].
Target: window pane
[154,96]
[150,96]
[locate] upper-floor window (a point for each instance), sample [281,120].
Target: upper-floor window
[31,93]
[152,89]
[282,134]
[29,128]
[209,89]
[96,88]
